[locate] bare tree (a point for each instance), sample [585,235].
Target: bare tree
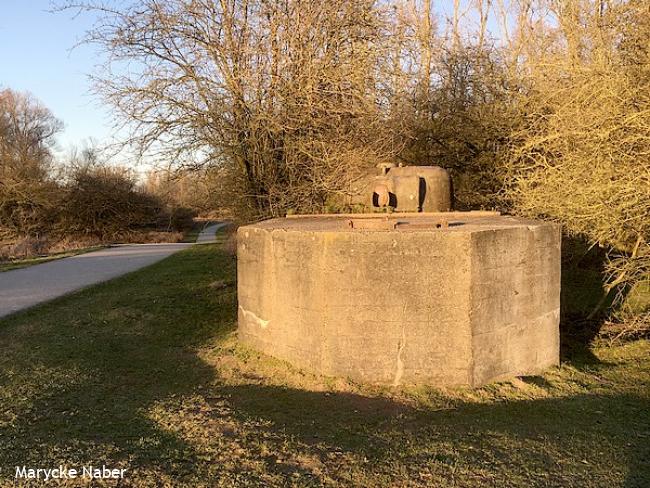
[580,155]
[284,92]
[27,131]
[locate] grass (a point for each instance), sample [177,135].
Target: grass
[24,263]
[144,373]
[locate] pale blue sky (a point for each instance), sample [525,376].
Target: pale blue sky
[36,55]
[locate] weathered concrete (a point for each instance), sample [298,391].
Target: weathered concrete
[464,305]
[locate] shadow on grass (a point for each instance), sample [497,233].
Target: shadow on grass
[542,442]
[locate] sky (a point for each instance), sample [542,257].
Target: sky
[37,55]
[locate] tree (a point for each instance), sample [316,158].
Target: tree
[581,154]
[281,93]
[27,135]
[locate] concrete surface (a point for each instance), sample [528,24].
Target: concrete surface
[464,305]
[26,287]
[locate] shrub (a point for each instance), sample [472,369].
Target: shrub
[105,202]
[580,156]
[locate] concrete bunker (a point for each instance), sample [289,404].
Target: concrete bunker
[439,298]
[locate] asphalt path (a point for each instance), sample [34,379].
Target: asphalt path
[26,287]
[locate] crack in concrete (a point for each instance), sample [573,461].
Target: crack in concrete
[399,370]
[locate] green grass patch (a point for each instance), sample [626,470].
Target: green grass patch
[24,263]
[145,373]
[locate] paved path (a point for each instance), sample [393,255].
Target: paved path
[207,234]
[26,287]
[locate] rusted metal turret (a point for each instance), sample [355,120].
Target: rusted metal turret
[412,188]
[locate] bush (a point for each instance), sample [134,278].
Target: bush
[580,155]
[105,202]
[181,218]
[28,208]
